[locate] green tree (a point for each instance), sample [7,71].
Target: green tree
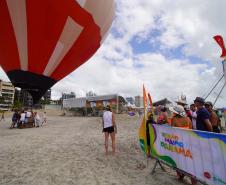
[17,105]
[2,101]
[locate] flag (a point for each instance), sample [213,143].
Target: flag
[145,101]
[150,100]
[142,128]
[219,39]
[143,135]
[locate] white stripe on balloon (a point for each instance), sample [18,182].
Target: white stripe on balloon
[69,35]
[102,12]
[17,11]
[81,2]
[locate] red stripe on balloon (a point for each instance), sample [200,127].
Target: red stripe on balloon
[85,46]
[46,20]
[9,56]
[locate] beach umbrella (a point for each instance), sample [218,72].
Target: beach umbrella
[42,41]
[131,113]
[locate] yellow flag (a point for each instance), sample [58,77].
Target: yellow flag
[142,128]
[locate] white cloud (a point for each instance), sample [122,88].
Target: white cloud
[115,68]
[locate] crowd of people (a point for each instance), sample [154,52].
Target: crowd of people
[23,117]
[199,116]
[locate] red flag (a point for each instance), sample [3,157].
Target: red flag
[150,99]
[219,39]
[151,105]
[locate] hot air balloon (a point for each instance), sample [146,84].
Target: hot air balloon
[42,41]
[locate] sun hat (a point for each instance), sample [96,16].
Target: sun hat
[181,102]
[178,109]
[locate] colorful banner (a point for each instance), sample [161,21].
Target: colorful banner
[201,154]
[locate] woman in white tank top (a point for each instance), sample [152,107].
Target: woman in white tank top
[109,128]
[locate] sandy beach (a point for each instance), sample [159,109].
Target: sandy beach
[70,150]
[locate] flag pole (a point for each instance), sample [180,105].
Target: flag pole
[214,87]
[219,93]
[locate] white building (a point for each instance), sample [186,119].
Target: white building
[7,91]
[139,102]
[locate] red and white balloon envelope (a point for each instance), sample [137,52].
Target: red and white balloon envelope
[42,41]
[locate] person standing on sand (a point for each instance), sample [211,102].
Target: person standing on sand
[14,119]
[3,116]
[44,118]
[37,119]
[109,128]
[181,120]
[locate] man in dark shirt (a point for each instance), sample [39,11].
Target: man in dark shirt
[203,116]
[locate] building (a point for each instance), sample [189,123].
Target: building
[7,91]
[47,95]
[68,96]
[90,93]
[139,101]
[74,103]
[104,100]
[163,102]
[130,100]
[96,102]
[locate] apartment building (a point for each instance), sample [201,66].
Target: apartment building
[7,91]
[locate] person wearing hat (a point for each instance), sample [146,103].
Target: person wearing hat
[203,116]
[184,104]
[214,120]
[109,128]
[181,120]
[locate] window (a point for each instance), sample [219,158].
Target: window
[93,104]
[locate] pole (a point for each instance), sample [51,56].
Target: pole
[224,68]
[117,104]
[219,93]
[214,87]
